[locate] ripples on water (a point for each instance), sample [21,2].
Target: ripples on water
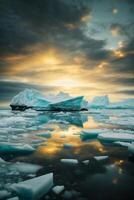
[56,136]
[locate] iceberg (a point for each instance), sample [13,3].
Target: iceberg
[99,102]
[30,98]
[73,104]
[34,188]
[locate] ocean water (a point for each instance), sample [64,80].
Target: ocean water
[58,135]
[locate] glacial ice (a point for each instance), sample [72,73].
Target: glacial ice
[30,98]
[58,189]
[69,161]
[33,189]
[99,102]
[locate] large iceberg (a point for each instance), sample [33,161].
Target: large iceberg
[33,99]
[99,102]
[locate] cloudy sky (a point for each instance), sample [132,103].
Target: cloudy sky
[84,47]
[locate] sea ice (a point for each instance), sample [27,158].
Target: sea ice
[70,161]
[113,137]
[91,133]
[6,147]
[86,162]
[58,189]
[4,194]
[100,158]
[33,189]
[25,167]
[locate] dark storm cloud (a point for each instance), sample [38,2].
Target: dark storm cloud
[8,89]
[26,22]
[127,92]
[125,64]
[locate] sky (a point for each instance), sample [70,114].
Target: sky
[84,47]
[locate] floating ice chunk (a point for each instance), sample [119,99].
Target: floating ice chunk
[15,148]
[100,158]
[112,137]
[70,161]
[4,194]
[33,189]
[58,189]
[45,135]
[25,167]
[86,162]
[91,133]
[2,161]
[125,144]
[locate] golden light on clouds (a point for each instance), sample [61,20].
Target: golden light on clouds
[119,54]
[115,32]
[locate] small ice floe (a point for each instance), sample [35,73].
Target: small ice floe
[26,168]
[45,135]
[91,133]
[112,137]
[4,194]
[130,146]
[58,189]
[100,158]
[15,148]
[33,189]
[2,161]
[85,162]
[68,146]
[69,161]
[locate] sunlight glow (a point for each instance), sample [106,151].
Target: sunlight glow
[67,83]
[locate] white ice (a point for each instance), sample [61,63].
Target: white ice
[69,161]
[33,189]
[100,158]
[58,189]
[112,137]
